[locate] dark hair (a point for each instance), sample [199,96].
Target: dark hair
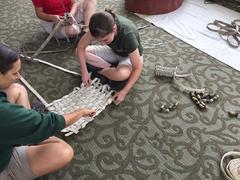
[101,23]
[7,58]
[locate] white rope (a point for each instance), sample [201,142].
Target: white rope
[33,91]
[226,172]
[169,72]
[48,38]
[96,96]
[67,20]
[49,64]
[172,73]
[186,89]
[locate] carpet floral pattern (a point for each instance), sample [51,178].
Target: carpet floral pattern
[134,140]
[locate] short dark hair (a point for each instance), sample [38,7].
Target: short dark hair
[7,58]
[101,23]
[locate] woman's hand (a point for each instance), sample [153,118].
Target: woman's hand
[70,19]
[119,97]
[88,112]
[57,18]
[86,79]
[72,117]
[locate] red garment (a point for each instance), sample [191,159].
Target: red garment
[55,7]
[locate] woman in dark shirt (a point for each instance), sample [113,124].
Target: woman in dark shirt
[21,126]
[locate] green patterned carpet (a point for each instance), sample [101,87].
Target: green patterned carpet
[133,140]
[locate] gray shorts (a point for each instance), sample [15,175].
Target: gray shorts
[106,53]
[60,33]
[18,167]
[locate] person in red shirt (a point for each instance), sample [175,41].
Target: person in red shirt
[52,11]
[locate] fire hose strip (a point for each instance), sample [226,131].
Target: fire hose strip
[96,96]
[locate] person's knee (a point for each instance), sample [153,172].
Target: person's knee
[123,73]
[55,151]
[67,152]
[90,49]
[15,90]
[72,31]
[91,3]
[18,87]
[64,149]
[94,2]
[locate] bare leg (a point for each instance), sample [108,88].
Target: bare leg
[72,30]
[49,155]
[17,94]
[89,8]
[120,73]
[96,60]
